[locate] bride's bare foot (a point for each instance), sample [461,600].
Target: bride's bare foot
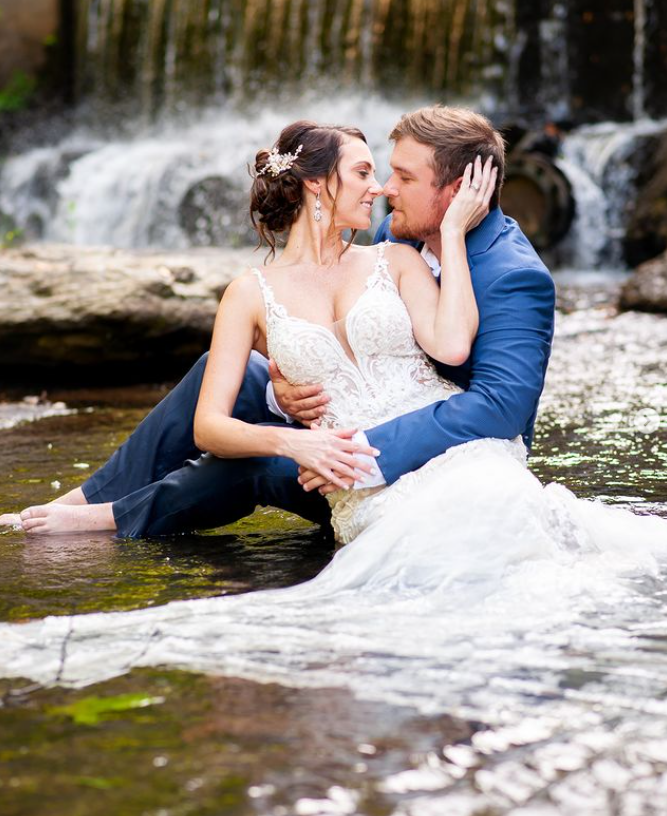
[10,520]
[65,518]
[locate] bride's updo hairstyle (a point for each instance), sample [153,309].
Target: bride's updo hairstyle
[275,201]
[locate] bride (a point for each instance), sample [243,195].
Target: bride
[362,321]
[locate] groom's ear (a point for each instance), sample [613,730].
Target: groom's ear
[449,191]
[455,186]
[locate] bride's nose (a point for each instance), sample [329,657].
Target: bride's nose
[375,189]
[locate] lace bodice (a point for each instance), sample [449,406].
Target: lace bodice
[390,375]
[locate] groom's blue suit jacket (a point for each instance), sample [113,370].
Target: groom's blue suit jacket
[504,374]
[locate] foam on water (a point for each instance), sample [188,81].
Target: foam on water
[127,191]
[30,409]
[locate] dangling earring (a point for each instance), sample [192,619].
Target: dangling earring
[317,215]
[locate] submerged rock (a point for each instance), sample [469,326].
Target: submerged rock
[646,289]
[91,307]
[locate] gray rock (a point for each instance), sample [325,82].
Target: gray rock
[90,307]
[646,228]
[646,289]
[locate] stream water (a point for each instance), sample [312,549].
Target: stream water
[538,691]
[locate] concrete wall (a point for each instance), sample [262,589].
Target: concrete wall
[24,26]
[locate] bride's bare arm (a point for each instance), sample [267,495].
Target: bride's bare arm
[445,319]
[236,332]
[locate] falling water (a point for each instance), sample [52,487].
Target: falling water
[165,54]
[638,55]
[204,85]
[601,163]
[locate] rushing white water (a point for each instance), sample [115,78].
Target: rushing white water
[137,191]
[127,192]
[30,409]
[600,162]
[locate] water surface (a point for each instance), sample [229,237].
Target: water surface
[539,692]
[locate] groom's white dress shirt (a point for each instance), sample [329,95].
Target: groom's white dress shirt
[377,479]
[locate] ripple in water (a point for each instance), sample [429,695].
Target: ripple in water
[558,655]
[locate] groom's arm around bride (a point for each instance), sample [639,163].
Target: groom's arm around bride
[504,375]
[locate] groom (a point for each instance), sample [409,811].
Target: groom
[157,482]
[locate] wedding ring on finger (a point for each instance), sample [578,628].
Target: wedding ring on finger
[476,187]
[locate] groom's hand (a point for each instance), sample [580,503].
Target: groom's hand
[305,403]
[309,480]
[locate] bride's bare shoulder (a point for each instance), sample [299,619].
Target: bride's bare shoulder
[244,286]
[402,251]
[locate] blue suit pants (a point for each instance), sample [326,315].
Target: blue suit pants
[159,483]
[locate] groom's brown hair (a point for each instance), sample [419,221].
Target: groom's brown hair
[457,136]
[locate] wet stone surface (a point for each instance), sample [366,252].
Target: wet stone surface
[167,742]
[170,742]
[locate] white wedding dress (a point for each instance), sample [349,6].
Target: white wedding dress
[468,548]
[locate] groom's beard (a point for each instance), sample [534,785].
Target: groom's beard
[405,228]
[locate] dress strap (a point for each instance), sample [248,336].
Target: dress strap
[381,267]
[273,308]
[379,258]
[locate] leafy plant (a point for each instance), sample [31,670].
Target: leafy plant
[11,237]
[92,710]
[17,92]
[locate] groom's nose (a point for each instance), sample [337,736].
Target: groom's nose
[390,189]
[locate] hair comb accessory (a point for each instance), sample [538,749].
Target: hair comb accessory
[277,162]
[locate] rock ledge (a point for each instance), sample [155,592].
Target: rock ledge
[95,306]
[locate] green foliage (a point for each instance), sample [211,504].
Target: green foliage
[93,710]
[11,237]
[17,92]
[10,234]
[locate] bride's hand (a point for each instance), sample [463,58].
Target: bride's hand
[329,453]
[470,205]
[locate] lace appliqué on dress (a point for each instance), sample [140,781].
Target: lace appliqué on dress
[392,374]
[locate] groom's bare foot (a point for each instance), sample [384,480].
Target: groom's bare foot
[46,519]
[10,520]
[74,497]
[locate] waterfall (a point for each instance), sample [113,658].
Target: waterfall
[154,188]
[168,53]
[202,84]
[602,163]
[638,59]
